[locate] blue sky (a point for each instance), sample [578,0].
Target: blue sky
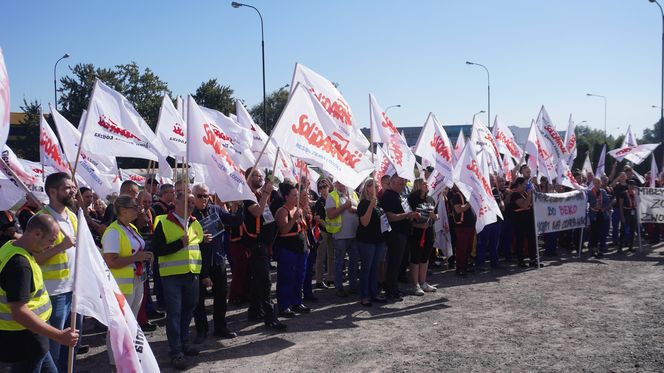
[409,53]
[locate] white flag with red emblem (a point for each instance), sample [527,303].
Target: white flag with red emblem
[505,140]
[635,154]
[27,172]
[630,138]
[394,145]
[485,143]
[4,101]
[97,295]
[548,133]
[384,166]
[570,141]
[435,147]
[114,127]
[236,138]
[50,152]
[331,99]
[460,144]
[654,173]
[307,131]
[170,129]
[600,164]
[541,159]
[472,179]
[259,137]
[207,147]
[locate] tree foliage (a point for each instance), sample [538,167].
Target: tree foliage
[590,139]
[213,95]
[28,142]
[143,89]
[275,104]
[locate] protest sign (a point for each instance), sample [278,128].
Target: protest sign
[559,211]
[651,205]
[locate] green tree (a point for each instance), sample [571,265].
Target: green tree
[27,146]
[653,136]
[275,103]
[143,89]
[589,139]
[213,95]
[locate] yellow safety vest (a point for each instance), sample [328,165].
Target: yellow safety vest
[123,276]
[39,302]
[57,267]
[333,225]
[186,260]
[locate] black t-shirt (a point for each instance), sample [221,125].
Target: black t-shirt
[628,203]
[16,281]
[371,233]
[393,202]
[294,243]
[523,216]
[618,191]
[466,218]
[267,231]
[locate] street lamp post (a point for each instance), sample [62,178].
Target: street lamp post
[55,82]
[390,107]
[488,91]
[603,97]
[479,112]
[237,5]
[661,105]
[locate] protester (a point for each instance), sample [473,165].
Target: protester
[8,227]
[599,205]
[24,299]
[370,243]
[180,266]
[422,237]
[341,221]
[627,204]
[128,187]
[325,252]
[239,255]
[164,204]
[125,254]
[213,270]
[26,211]
[307,203]
[464,228]
[524,229]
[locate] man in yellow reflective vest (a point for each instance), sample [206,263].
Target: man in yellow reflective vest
[25,306]
[176,240]
[57,262]
[342,221]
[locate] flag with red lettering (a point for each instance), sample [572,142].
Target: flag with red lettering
[570,141]
[307,131]
[541,161]
[234,137]
[170,129]
[654,173]
[334,103]
[435,147]
[383,165]
[630,138]
[460,144]
[472,179]
[4,101]
[600,164]
[207,147]
[259,137]
[508,166]
[395,146]
[554,143]
[16,168]
[505,140]
[635,154]
[114,127]
[50,152]
[71,136]
[485,143]
[27,172]
[133,176]
[97,295]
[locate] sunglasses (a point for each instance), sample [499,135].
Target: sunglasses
[204,196]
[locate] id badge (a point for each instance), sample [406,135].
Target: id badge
[384,224]
[267,215]
[405,205]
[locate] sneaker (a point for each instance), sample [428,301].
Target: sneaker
[179,363]
[417,290]
[275,325]
[428,288]
[321,285]
[394,297]
[149,327]
[300,308]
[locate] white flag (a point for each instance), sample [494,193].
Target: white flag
[114,127]
[332,100]
[485,143]
[307,131]
[587,166]
[206,147]
[541,161]
[570,141]
[383,166]
[635,154]
[96,294]
[654,173]
[472,179]
[133,176]
[4,101]
[460,144]
[50,152]
[630,138]
[442,229]
[435,147]
[384,131]
[236,138]
[600,165]
[170,129]
[30,173]
[548,132]
[505,140]
[259,137]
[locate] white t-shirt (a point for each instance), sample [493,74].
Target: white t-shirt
[111,241]
[56,287]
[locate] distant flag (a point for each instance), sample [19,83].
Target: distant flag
[653,171]
[460,144]
[170,129]
[600,164]
[505,140]
[587,166]
[50,152]
[435,147]
[4,101]
[630,138]
[570,141]
[635,154]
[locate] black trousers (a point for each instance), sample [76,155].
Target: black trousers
[396,247]
[259,280]
[219,291]
[524,232]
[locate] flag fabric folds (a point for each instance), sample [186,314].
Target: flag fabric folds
[435,148]
[505,140]
[50,152]
[4,101]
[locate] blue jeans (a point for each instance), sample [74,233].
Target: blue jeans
[307,288]
[371,254]
[341,247]
[43,364]
[550,243]
[60,319]
[290,277]
[181,298]
[506,237]
[615,225]
[489,240]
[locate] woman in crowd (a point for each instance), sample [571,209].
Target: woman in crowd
[312,231]
[325,247]
[422,238]
[291,251]
[524,230]
[370,244]
[464,228]
[125,255]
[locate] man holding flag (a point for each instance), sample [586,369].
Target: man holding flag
[25,306]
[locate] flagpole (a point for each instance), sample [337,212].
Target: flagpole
[80,142]
[276,159]
[371,146]
[74,303]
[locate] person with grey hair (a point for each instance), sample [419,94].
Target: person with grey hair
[213,270]
[164,204]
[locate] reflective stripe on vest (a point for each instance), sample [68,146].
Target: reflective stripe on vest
[186,260]
[123,276]
[39,302]
[334,225]
[56,268]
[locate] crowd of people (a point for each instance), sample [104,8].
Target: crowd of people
[168,247]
